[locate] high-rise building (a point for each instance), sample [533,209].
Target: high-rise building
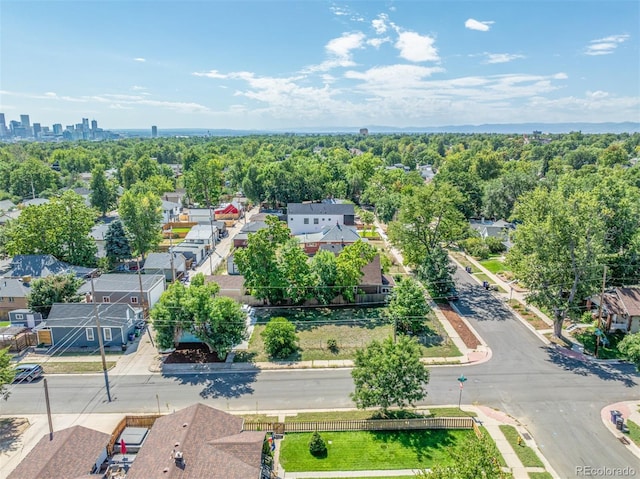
[3,127]
[85,124]
[154,131]
[57,129]
[94,125]
[37,129]
[24,121]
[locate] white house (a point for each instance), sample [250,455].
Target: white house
[314,217]
[202,234]
[170,211]
[201,215]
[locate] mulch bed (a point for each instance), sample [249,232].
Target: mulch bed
[468,338]
[192,353]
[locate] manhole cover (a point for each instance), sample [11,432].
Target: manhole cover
[526,436]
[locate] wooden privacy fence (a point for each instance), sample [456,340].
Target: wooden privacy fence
[130,421]
[363,425]
[19,342]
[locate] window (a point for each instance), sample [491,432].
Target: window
[106,299]
[19,316]
[11,300]
[1,299]
[107,334]
[306,221]
[89,333]
[134,300]
[316,221]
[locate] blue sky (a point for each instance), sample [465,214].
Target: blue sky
[288,64]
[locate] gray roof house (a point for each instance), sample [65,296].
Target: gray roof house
[73,325]
[13,295]
[125,288]
[7,205]
[314,217]
[98,233]
[160,263]
[34,202]
[74,452]
[43,265]
[24,317]
[170,211]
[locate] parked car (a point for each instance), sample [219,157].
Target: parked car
[27,372]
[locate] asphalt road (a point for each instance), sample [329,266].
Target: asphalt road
[558,399]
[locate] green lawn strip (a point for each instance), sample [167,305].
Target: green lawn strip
[378,477]
[540,475]
[634,431]
[494,265]
[588,338]
[484,277]
[4,323]
[459,257]
[365,450]
[527,456]
[75,367]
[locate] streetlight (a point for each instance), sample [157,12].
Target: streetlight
[461,380]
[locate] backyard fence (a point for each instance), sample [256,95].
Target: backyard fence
[130,421]
[19,342]
[363,425]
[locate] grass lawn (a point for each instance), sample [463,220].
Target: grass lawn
[379,477]
[540,475]
[527,456]
[528,315]
[73,367]
[364,450]
[588,338]
[494,265]
[4,323]
[634,432]
[459,257]
[352,328]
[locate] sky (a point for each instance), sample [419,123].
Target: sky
[278,65]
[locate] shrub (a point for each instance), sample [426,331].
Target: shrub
[476,248]
[317,446]
[495,245]
[280,338]
[332,345]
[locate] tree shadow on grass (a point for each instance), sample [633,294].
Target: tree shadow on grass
[624,373]
[219,384]
[422,443]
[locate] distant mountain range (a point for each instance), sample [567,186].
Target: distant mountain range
[503,128]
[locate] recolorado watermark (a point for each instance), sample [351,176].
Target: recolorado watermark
[592,471]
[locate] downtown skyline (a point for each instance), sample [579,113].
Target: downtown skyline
[281,65]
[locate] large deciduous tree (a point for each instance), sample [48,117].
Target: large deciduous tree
[32,177]
[630,348]
[325,270]
[203,181]
[142,218]
[408,307]
[53,289]
[557,247]
[389,374]
[280,338]
[103,192]
[349,264]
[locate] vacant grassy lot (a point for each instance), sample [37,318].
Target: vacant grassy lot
[363,450]
[4,323]
[75,367]
[527,455]
[352,328]
[495,265]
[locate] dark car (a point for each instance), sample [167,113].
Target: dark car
[27,372]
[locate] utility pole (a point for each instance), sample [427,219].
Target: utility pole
[604,282]
[173,270]
[142,296]
[46,400]
[100,343]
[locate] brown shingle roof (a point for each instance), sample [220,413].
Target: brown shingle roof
[372,273]
[630,298]
[212,443]
[71,454]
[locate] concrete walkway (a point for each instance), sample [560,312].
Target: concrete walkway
[629,410]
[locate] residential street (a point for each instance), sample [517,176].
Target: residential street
[558,399]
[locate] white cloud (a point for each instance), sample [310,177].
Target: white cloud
[502,57]
[416,48]
[140,59]
[481,26]
[339,52]
[210,74]
[339,11]
[376,42]
[597,94]
[138,88]
[606,45]
[380,24]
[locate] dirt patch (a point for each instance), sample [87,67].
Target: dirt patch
[468,338]
[10,431]
[192,353]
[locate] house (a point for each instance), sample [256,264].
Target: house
[200,441]
[175,196]
[85,193]
[373,280]
[43,265]
[74,325]
[34,202]
[314,217]
[24,317]
[8,216]
[74,452]
[336,234]
[204,234]
[232,286]
[240,239]
[494,229]
[125,289]
[172,265]
[229,211]
[620,310]
[7,205]
[170,211]
[200,215]
[13,295]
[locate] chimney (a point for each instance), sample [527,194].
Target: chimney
[87,297]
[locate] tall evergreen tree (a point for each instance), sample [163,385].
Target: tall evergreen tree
[117,244]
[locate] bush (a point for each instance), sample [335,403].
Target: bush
[280,338]
[476,248]
[495,245]
[332,345]
[317,446]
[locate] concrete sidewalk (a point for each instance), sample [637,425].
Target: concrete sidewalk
[629,410]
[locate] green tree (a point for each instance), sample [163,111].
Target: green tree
[317,446]
[389,374]
[501,194]
[52,289]
[408,307]
[368,218]
[7,372]
[436,272]
[325,269]
[476,457]
[103,191]
[296,271]
[142,218]
[32,177]
[203,181]
[258,262]
[280,339]
[630,347]
[170,316]
[117,246]
[556,250]
[349,266]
